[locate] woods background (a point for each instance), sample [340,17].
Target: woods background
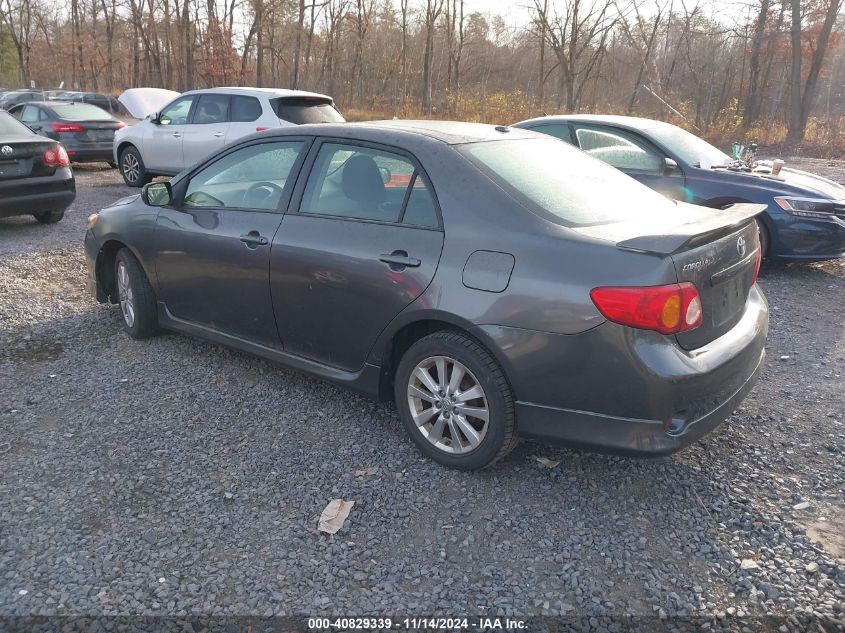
[771,71]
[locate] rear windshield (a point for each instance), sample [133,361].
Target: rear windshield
[81,112]
[302,110]
[565,184]
[10,126]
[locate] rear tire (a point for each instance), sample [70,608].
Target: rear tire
[445,386]
[136,296]
[49,217]
[132,168]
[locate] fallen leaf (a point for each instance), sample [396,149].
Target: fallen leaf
[333,515]
[365,472]
[548,463]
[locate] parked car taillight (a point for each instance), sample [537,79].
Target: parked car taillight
[669,309]
[56,157]
[67,127]
[757,265]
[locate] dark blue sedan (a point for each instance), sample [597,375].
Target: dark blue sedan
[805,215]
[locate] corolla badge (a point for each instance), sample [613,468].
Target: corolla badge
[6,150]
[740,246]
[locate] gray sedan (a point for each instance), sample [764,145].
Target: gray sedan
[492,282]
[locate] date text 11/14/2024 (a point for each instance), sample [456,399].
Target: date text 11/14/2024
[481,623]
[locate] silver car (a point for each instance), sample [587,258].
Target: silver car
[201,122]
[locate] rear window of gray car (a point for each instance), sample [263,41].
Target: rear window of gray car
[565,183]
[9,126]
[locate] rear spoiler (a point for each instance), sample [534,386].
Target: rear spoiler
[717,223]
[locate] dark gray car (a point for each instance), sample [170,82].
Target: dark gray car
[458,270]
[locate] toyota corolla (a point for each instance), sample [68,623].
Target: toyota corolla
[492,282]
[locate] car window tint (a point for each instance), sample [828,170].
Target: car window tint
[254,177]
[618,149]
[177,112]
[212,108]
[559,182]
[357,182]
[301,110]
[81,112]
[420,210]
[558,130]
[30,114]
[245,109]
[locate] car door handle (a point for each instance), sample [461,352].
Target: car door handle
[218,134]
[254,240]
[399,260]
[176,135]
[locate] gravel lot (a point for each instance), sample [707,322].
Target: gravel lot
[172,476]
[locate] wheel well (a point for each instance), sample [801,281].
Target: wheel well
[122,147]
[400,343]
[105,268]
[721,203]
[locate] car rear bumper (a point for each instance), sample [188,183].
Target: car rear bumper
[26,196]
[81,154]
[629,391]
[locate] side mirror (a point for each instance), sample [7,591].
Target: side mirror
[154,118]
[157,194]
[669,165]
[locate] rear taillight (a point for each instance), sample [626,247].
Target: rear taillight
[757,265]
[120,126]
[666,309]
[261,129]
[66,127]
[56,157]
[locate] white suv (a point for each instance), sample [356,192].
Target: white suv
[200,122]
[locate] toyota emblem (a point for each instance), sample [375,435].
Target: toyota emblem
[6,150]
[740,246]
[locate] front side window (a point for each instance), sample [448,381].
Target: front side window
[618,149]
[254,177]
[177,112]
[212,108]
[366,184]
[560,182]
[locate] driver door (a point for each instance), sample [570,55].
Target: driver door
[163,146]
[212,247]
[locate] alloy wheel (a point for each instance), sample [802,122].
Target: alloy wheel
[131,168]
[124,293]
[448,405]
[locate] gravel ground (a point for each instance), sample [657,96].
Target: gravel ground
[173,476]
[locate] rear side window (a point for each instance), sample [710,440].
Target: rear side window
[245,109]
[81,112]
[212,109]
[29,114]
[367,184]
[558,130]
[302,110]
[560,182]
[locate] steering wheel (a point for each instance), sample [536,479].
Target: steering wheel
[267,189]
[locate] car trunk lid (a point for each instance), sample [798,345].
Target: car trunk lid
[714,249]
[24,158]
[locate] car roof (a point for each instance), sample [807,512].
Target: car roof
[630,122]
[401,132]
[259,92]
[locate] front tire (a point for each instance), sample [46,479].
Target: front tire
[135,296]
[49,217]
[455,401]
[132,168]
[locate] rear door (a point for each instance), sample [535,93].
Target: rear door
[207,130]
[632,154]
[162,149]
[213,247]
[364,243]
[244,117]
